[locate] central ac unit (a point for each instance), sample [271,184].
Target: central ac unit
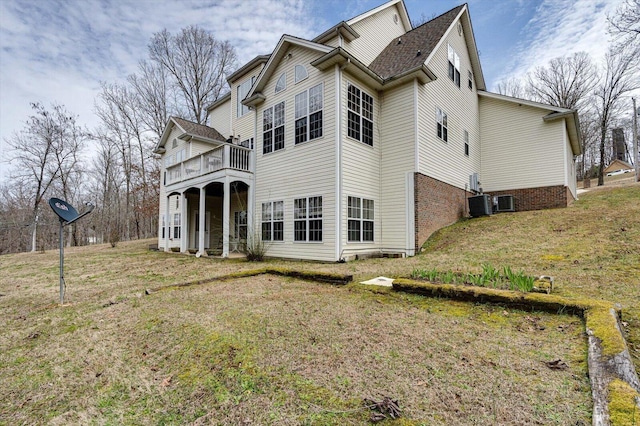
[505,203]
[480,205]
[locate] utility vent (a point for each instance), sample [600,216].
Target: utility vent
[505,203]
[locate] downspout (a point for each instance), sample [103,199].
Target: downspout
[338,212]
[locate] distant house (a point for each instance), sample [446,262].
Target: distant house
[617,165]
[364,140]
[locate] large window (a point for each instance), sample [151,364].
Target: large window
[243,90]
[176,225]
[466,143]
[360,219]
[309,114]
[360,115]
[454,65]
[273,221]
[273,128]
[441,124]
[300,73]
[307,219]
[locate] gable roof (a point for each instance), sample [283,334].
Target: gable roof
[617,164]
[190,130]
[412,48]
[281,48]
[401,8]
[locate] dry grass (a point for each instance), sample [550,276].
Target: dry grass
[273,350]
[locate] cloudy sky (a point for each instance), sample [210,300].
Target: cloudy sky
[60,50]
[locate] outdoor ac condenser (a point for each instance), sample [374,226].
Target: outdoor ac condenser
[480,205]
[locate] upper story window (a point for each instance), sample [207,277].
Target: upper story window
[441,124]
[168,160]
[470,76]
[308,116]
[300,73]
[174,144]
[454,65]
[360,115]
[281,84]
[180,155]
[243,90]
[273,128]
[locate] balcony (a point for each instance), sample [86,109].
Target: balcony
[231,157]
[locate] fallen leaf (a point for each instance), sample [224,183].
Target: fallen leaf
[166,382]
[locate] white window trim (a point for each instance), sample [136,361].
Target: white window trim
[467,148]
[452,54]
[308,114]
[361,115]
[361,220]
[295,73]
[271,221]
[242,110]
[307,220]
[273,128]
[283,77]
[445,118]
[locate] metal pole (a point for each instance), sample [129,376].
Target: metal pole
[61,263]
[635,140]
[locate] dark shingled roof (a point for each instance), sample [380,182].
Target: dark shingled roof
[201,130]
[398,58]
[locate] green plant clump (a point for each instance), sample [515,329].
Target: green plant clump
[489,277]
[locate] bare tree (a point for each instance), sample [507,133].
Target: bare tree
[511,87]
[46,150]
[566,82]
[198,64]
[155,99]
[619,77]
[625,24]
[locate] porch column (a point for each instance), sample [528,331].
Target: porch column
[184,223]
[250,217]
[226,206]
[201,217]
[167,224]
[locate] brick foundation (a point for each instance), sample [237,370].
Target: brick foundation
[437,205]
[548,197]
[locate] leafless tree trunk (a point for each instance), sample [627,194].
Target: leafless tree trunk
[198,64]
[511,87]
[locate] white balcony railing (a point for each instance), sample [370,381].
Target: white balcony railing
[222,157]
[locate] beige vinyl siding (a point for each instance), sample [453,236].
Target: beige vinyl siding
[220,118]
[376,32]
[303,170]
[446,161]
[570,165]
[360,169]
[397,142]
[242,127]
[198,148]
[520,149]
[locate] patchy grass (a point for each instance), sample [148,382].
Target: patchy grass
[278,350]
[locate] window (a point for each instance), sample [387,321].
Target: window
[239,225]
[281,84]
[176,225]
[470,76]
[164,225]
[273,128]
[454,66]
[300,73]
[360,219]
[441,119]
[243,90]
[466,143]
[180,155]
[307,219]
[273,221]
[360,115]
[177,201]
[174,144]
[308,124]
[168,160]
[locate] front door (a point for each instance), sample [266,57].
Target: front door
[207,226]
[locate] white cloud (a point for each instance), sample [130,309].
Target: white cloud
[560,28]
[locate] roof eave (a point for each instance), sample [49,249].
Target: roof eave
[346,61]
[422,73]
[573,128]
[255,99]
[219,102]
[345,30]
[165,135]
[247,67]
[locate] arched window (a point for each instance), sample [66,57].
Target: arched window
[282,83]
[301,73]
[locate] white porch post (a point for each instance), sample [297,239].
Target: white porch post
[226,206]
[201,217]
[184,223]
[167,224]
[250,217]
